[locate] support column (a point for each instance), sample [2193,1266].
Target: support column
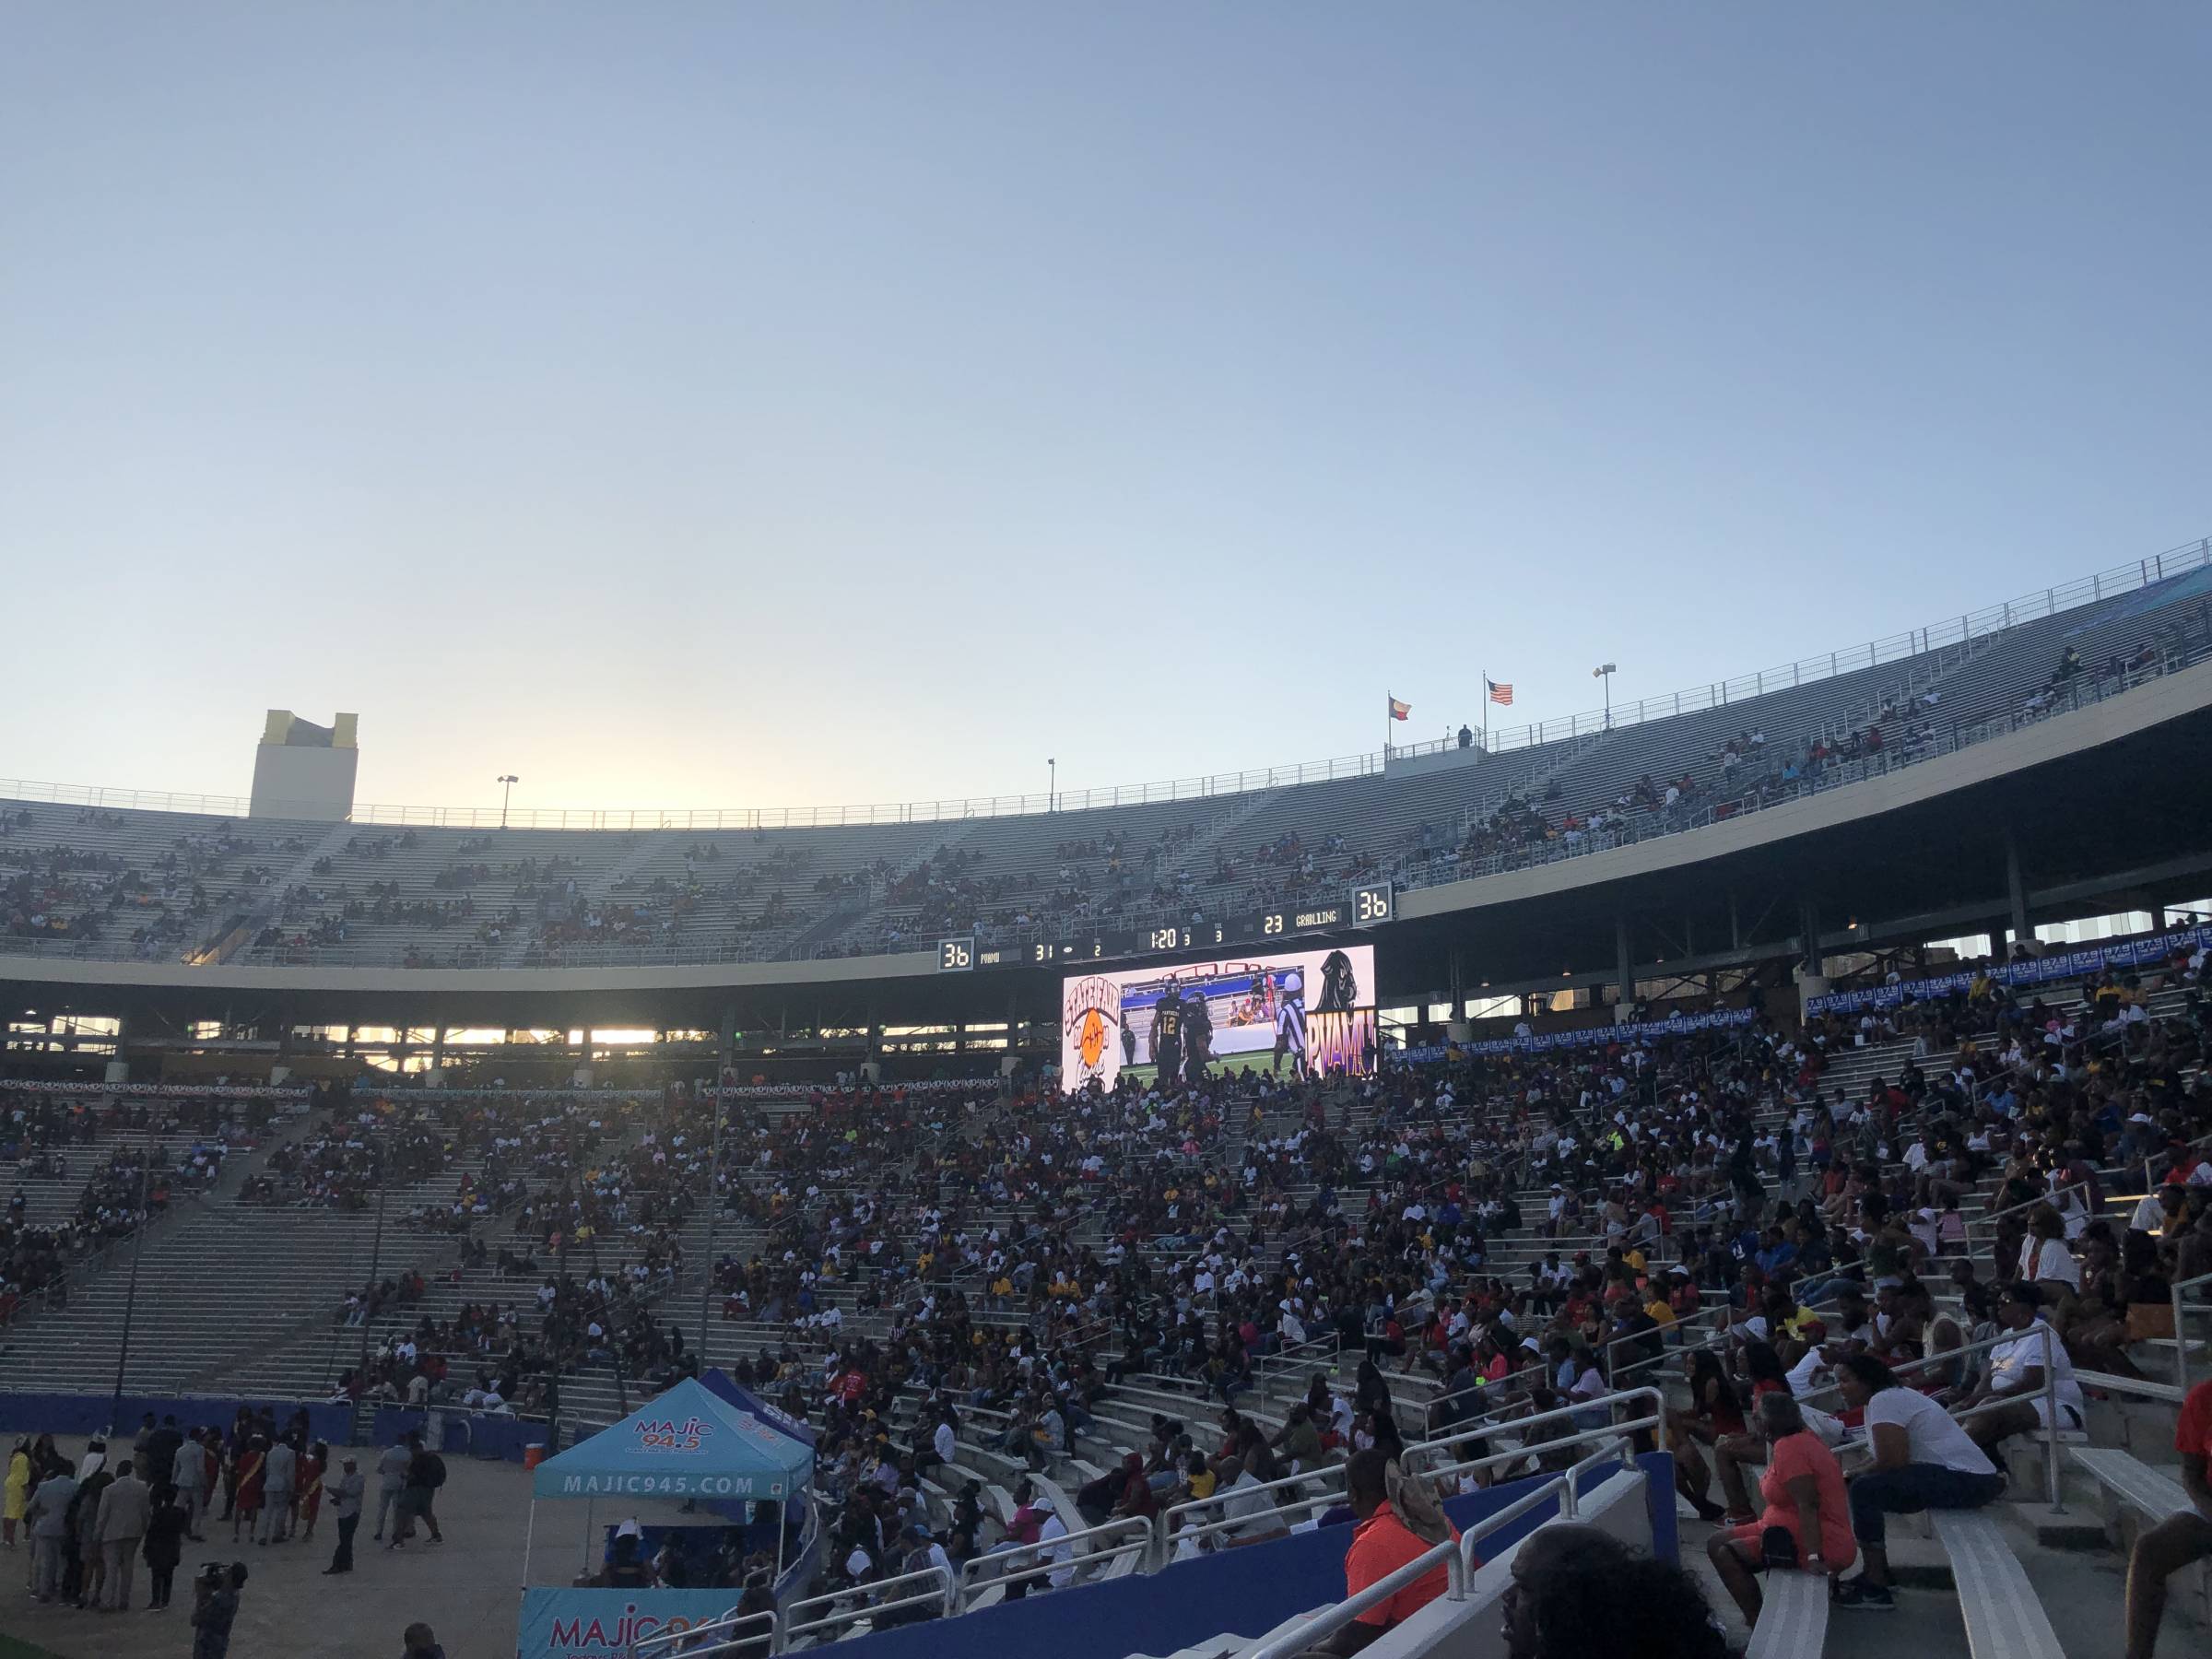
[2016,892]
[2159,922]
[1812,979]
[119,1067]
[1624,972]
[1735,929]
[280,1070]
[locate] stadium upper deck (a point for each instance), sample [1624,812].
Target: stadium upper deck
[84,877]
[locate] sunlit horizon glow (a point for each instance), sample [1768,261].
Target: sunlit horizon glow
[704,408]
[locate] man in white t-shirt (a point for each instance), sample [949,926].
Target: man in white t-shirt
[1922,1460]
[1243,1503]
[1054,1550]
[2015,1373]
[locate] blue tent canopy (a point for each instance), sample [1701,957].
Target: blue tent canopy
[683,1443]
[721,1383]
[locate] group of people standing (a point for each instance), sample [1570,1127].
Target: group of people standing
[89,1522]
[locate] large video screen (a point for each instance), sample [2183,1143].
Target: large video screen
[1295,1013]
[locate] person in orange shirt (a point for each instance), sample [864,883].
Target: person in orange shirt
[1806,1522]
[1382,1541]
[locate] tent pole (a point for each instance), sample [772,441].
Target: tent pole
[783,1512]
[529,1532]
[587,1537]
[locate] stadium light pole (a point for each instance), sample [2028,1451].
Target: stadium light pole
[506,781]
[1604,670]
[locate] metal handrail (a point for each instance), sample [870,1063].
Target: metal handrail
[946,1596]
[1995,620]
[775,946]
[1989,1218]
[1417,1457]
[1455,1555]
[1328,1478]
[1450,1554]
[2181,1335]
[973,1581]
[666,1644]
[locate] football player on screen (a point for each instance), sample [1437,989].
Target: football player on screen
[1290,1023]
[1197,1038]
[1167,1033]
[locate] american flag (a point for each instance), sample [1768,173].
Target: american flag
[1500,694]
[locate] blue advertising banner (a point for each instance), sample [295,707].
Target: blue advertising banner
[2040,971]
[602,1624]
[1673,1025]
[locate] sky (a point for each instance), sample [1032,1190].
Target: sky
[736,405]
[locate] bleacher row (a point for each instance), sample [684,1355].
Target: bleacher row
[243,1296]
[1997,1602]
[162,885]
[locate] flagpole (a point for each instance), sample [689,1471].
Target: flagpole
[1485,711]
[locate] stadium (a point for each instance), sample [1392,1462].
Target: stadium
[974,1144]
[1467,912]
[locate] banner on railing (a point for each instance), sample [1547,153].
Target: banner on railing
[1678,1025]
[806,1091]
[2043,970]
[226,1091]
[604,1624]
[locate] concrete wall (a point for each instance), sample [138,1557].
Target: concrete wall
[301,782]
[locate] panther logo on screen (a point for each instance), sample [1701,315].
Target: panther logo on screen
[1339,986]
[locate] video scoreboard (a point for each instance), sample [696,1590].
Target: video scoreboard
[1371,904]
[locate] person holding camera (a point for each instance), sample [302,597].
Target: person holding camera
[215,1608]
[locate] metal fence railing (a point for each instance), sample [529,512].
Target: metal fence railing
[2104,585]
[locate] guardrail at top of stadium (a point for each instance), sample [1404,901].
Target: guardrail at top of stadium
[1951,631]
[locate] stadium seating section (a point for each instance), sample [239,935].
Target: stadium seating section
[160,886]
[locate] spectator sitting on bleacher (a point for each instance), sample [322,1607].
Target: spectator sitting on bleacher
[1802,1490]
[2019,1368]
[1922,1460]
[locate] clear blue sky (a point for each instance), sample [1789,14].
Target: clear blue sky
[740,404]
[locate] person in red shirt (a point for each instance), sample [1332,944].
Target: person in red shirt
[2179,1539]
[1382,1541]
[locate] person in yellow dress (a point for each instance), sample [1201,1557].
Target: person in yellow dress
[19,1491]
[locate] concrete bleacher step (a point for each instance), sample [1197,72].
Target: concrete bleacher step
[1793,1622]
[1997,1603]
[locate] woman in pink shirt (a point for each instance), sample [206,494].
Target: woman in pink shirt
[1807,1522]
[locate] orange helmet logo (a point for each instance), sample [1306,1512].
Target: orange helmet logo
[1091,1041]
